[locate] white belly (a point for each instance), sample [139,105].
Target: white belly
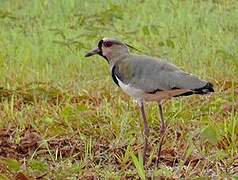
[131,91]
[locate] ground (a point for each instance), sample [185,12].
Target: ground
[62,117]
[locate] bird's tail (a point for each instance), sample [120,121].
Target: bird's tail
[203,90]
[160,95]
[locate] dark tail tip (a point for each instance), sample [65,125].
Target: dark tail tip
[209,87]
[205,89]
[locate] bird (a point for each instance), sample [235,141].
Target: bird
[146,79]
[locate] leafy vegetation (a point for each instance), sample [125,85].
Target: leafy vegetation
[62,116]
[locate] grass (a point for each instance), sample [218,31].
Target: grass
[62,116]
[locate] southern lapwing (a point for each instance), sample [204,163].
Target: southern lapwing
[147,78]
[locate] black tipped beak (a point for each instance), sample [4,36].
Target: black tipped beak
[93,52]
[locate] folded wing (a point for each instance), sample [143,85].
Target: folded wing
[152,75]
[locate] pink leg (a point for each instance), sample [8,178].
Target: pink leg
[146,130]
[162,132]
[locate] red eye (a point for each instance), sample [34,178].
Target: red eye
[107,43]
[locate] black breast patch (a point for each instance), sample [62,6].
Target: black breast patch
[114,75]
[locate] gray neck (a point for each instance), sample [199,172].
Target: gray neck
[118,55]
[114,59]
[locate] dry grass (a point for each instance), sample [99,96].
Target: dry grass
[52,136]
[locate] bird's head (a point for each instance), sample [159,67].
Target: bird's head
[110,49]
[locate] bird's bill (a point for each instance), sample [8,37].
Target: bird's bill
[93,52]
